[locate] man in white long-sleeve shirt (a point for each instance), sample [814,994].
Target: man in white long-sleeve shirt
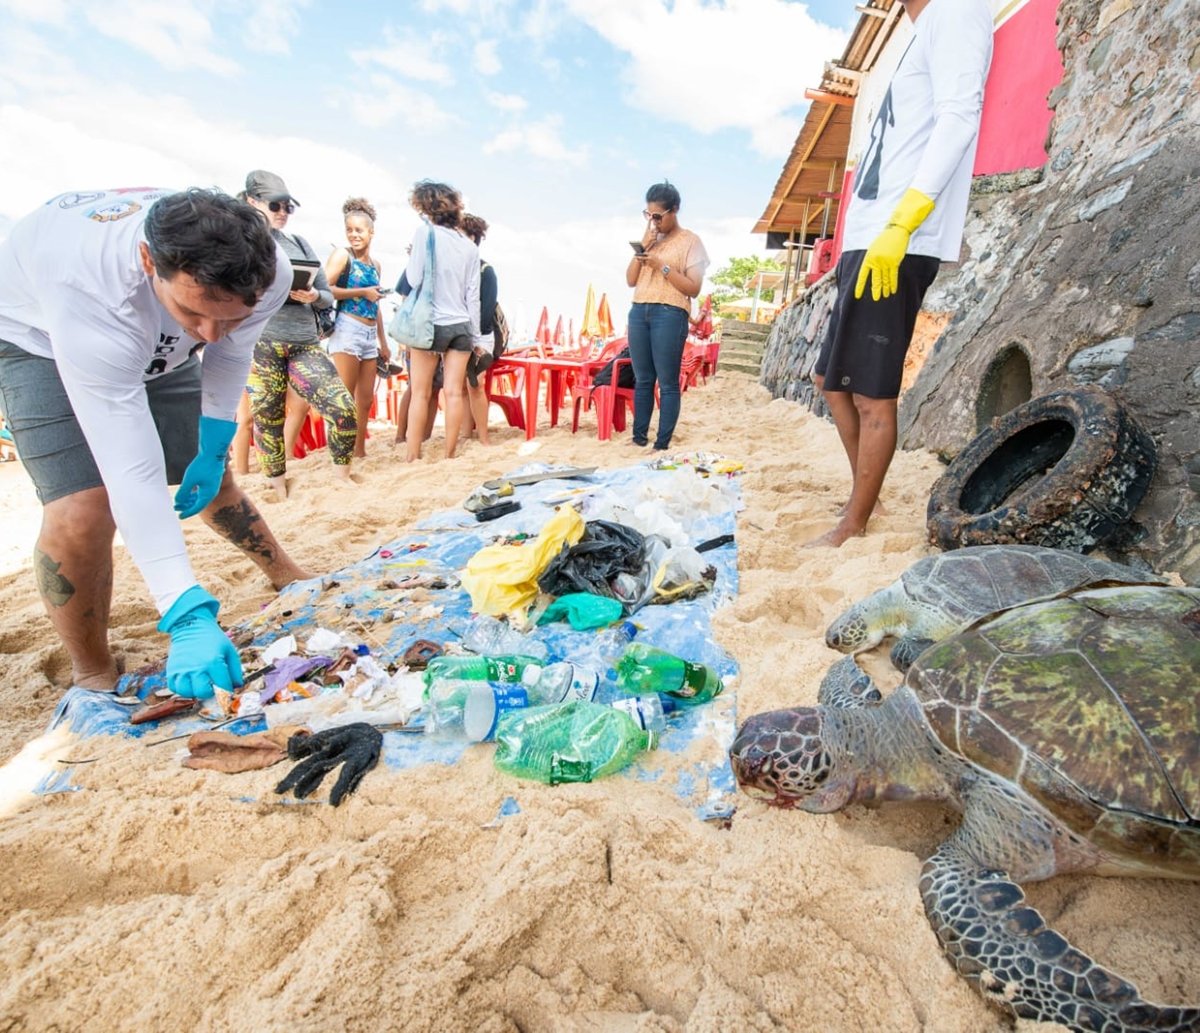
[106,297]
[906,214]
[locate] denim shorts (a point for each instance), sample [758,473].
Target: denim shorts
[50,440]
[454,337]
[350,337]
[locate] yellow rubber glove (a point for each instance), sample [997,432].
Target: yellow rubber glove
[887,251]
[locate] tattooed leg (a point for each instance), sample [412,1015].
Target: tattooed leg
[235,518]
[73,564]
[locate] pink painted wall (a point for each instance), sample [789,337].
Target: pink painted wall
[1026,66]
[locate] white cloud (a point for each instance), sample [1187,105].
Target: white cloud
[538,140]
[53,12]
[410,58]
[271,25]
[487,61]
[177,35]
[506,101]
[740,64]
[393,101]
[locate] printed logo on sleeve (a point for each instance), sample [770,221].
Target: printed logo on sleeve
[113,211]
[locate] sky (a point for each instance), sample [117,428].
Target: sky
[552,117]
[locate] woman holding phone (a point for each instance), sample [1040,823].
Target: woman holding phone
[358,339]
[665,274]
[289,353]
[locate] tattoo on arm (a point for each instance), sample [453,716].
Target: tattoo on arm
[238,523]
[55,588]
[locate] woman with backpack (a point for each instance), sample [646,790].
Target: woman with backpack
[289,353]
[490,342]
[358,340]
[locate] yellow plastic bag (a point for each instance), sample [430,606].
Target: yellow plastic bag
[503,578]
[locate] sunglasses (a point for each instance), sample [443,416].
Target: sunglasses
[286,206]
[656,216]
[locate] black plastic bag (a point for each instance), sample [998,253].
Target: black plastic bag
[605,550]
[625,377]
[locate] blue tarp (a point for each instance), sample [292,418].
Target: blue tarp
[358,602]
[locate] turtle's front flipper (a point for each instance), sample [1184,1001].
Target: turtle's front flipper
[847,685]
[905,652]
[1006,949]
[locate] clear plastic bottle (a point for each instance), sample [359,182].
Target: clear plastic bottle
[504,668]
[649,711]
[466,709]
[568,742]
[560,683]
[488,636]
[443,708]
[644,669]
[607,646]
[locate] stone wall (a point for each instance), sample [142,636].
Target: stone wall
[1085,272]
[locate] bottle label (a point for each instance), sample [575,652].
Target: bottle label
[632,707]
[485,704]
[584,683]
[695,678]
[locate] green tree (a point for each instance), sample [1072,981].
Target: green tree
[733,280]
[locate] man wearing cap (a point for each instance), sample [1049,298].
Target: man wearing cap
[106,299]
[906,214]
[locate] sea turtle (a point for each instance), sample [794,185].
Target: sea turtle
[940,594]
[1067,732]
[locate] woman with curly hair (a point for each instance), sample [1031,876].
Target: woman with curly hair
[358,338]
[455,311]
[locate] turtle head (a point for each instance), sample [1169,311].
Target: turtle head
[852,632]
[786,758]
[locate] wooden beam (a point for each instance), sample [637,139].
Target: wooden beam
[824,97]
[812,144]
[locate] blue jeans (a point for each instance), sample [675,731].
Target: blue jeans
[656,336]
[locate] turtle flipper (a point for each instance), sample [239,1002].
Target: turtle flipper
[1004,947]
[906,650]
[847,685]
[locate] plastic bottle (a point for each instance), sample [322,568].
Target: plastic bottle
[607,647]
[644,669]
[488,636]
[649,711]
[560,683]
[568,742]
[468,710]
[509,668]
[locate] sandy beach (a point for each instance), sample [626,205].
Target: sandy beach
[157,898]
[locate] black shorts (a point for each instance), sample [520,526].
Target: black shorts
[51,442]
[867,340]
[454,337]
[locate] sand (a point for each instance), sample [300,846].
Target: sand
[157,898]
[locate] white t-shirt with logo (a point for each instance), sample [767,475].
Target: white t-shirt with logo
[72,289]
[925,132]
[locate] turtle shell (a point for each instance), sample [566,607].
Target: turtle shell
[966,584]
[1090,703]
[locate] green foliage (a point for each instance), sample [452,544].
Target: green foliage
[733,280]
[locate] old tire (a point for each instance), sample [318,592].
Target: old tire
[1064,470]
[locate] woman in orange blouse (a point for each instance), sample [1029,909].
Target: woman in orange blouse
[665,276]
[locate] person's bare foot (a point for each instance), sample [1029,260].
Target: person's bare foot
[835,538]
[879,510]
[280,486]
[102,678]
[342,472]
[288,575]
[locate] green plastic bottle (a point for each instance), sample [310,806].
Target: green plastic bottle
[644,668]
[568,742]
[479,668]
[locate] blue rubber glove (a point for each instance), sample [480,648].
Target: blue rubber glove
[202,479]
[201,655]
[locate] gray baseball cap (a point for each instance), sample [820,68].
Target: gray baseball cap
[266,186]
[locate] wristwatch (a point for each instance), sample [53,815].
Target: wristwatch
[666,270]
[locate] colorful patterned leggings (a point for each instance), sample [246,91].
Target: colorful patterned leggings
[314,378]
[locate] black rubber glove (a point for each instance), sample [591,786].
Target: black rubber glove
[356,747]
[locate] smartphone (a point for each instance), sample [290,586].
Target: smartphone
[384,290]
[638,247]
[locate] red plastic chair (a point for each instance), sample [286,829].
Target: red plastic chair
[580,387]
[503,386]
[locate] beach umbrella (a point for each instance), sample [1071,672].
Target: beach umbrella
[559,340]
[542,334]
[571,331]
[591,317]
[604,317]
